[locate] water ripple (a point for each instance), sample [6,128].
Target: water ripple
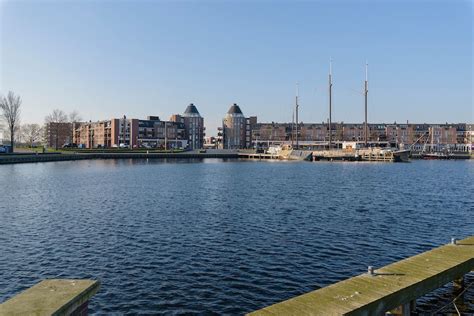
[217,237]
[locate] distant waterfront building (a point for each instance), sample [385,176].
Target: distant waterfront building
[124,131]
[210,142]
[233,126]
[442,135]
[154,133]
[469,135]
[237,129]
[399,134]
[377,132]
[462,131]
[131,133]
[353,132]
[396,135]
[271,132]
[106,134]
[93,135]
[194,126]
[58,134]
[187,131]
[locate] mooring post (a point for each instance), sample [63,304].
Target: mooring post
[406,309]
[459,284]
[370,270]
[402,310]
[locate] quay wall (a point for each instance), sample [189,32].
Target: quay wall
[32,158]
[222,154]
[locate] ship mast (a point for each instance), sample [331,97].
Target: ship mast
[366,91]
[296,114]
[330,103]
[292,126]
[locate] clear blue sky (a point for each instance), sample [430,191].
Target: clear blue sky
[109,58]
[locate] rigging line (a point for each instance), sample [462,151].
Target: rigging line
[457,310]
[454,300]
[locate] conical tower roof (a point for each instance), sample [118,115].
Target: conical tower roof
[235,109]
[191,110]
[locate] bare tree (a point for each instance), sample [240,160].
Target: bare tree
[2,132]
[57,116]
[74,118]
[10,106]
[31,133]
[55,125]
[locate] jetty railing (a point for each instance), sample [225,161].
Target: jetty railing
[393,287]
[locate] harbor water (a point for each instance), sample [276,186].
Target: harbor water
[224,236]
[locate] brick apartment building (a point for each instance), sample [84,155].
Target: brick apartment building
[181,131]
[194,126]
[393,134]
[130,133]
[236,130]
[58,134]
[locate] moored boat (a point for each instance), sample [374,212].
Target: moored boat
[401,155]
[445,155]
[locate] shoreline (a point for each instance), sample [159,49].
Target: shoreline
[16,158]
[49,157]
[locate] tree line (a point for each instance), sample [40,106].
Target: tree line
[31,134]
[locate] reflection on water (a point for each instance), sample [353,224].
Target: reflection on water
[228,237]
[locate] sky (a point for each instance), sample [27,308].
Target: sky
[107,59]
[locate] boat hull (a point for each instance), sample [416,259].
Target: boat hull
[401,156]
[444,156]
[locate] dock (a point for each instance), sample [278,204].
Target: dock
[281,155]
[52,297]
[393,287]
[334,154]
[257,156]
[369,154]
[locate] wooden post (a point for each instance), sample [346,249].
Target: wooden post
[459,284]
[406,309]
[402,310]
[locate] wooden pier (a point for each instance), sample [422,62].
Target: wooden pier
[52,297]
[257,156]
[393,287]
[335,154]
[282,155]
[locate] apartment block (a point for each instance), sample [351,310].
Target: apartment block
[394,134]
[236,131]
[131,133]
[58,134]
[194,126]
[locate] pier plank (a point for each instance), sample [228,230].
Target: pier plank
[51,297]
[391,286]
